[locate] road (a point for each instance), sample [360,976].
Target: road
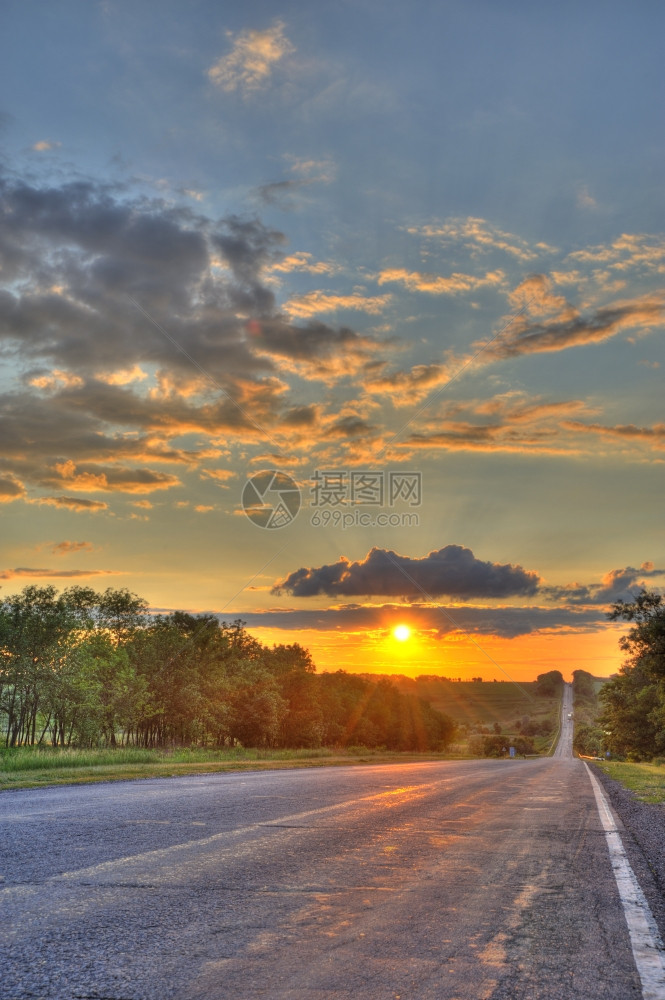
[564,747]
[462,880]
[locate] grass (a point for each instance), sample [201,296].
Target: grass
[33,768]
[647,781]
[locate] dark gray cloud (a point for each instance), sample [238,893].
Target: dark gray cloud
[618,584]
[351,426]
[79,253]
[549,323]
[509,623]
[98,281]
[452,570]
[280,193]
[10,489]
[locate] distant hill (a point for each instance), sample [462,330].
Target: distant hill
[479,703]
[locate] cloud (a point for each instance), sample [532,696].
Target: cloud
[308,172]
[624,582]
[404,388]
[452,570]
[630,251]
[323,171]
[94,478]
[280,193]
[10,489]
[549,324]
[44,145]
[617,584]
[220,476]
[252,60]
[629,433]
[54,380]
[65,548]
[455,284]
[314,303]
[511,422]
[585,199]
[303,262]
[479,236]
[444,620]
[124,376]
[73,503]
[11,574]
[348,427]
[156,323]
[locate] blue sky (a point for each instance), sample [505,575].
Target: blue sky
[347,236]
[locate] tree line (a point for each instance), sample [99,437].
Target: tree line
[82,668]
[626,718]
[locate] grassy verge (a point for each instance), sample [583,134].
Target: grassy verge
[647,781]
[31,768]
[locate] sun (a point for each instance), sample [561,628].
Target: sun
[402,632]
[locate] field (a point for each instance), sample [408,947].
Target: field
[474,703]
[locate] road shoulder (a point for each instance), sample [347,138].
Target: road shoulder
[643,836]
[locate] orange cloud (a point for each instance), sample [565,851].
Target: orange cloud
[480,236]
[123,376]
[92,479]
[45,574]
[73,503]
[653,436]
[55,380]
[304,262]
[314,303]
[65,548]
[414,281]
[219,475]
[250,63]
[404,388]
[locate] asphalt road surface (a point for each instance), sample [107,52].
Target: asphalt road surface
[564,747]
[473,880]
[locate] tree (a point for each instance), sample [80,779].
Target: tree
[634,700]
[550,684]
[37,631]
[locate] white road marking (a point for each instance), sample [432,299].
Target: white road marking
[645,940]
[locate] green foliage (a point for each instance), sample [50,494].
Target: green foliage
[93,670]
[589,741]
[549,684]
[634,701]
[584,687]
[493,745]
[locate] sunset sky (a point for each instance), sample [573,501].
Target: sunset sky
[409,255]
